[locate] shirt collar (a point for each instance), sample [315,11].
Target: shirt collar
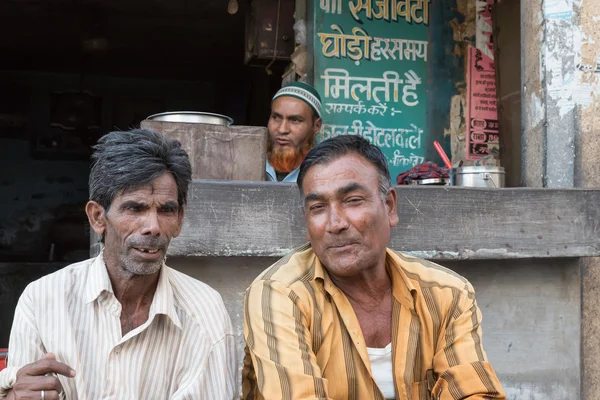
[97,280]
[163,302]
[402,288]
[272,175]
[321,273]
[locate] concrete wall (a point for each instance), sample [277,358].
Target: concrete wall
[531,316]
[531,324]
[560,62]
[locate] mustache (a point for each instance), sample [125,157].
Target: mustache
[148,241]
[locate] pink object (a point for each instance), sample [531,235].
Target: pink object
[442,153]
[482,136]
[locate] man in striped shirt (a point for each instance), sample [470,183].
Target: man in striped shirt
[345,317]
[124,325]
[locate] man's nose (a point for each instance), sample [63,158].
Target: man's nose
[337,222]
[284,127]
[151,224]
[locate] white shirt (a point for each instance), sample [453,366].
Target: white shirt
[382,370]
[185,350]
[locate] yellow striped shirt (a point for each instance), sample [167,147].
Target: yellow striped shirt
[303,340]
[185,350]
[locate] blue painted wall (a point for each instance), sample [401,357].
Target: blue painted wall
[445,73]
[446,68]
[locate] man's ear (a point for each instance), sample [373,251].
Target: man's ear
[317,125]
[391,202]
[95,214]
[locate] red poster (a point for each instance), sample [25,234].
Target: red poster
[482,114]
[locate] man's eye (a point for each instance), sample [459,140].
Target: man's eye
[316,207]
[354,200]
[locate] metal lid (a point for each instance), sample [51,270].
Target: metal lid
[432,181]
[479,169]
[194,117]
[429,181]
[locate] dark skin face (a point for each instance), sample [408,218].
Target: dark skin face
[348,222]
[139,226]
[291,122]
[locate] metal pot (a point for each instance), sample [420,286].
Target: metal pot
[192,117]
[478,176]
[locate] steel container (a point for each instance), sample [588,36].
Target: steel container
[478,176]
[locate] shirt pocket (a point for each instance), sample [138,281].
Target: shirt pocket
[420,391]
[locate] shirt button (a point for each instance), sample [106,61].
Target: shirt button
[114,309]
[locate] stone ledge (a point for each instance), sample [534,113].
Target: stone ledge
[226,218]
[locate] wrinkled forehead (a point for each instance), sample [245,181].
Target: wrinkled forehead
[164,188]
[348,170]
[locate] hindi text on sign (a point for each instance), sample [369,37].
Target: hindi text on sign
[403,138]
[412,11]
[360,46]
[339,83]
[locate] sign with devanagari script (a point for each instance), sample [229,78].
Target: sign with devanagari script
[371,71]
[483,136]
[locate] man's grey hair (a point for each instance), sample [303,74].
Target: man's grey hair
[125,160]
[384,185]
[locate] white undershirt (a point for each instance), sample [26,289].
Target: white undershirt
[382,371]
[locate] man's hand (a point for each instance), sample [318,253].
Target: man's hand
[32,379]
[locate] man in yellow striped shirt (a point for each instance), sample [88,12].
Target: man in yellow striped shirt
[344,317]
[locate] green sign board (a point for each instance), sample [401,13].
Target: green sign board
[370,68]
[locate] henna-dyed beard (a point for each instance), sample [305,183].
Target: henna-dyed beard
[288,158]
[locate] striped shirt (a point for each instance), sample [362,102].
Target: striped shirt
[303,340]
[185,350]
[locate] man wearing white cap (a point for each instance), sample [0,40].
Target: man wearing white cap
[293,125]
